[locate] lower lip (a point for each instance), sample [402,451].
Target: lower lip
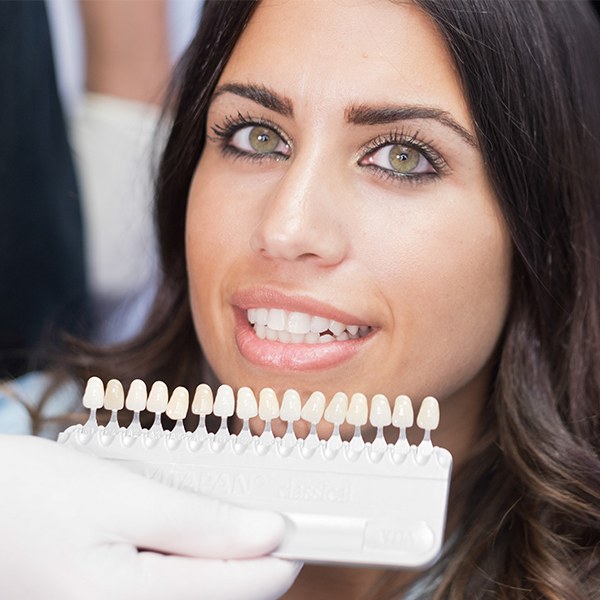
[292,357]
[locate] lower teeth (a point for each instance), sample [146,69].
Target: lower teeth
[263,332]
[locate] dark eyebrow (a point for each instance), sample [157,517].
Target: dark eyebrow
[259,94]
[372,115]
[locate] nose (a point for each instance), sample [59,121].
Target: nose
[303,217]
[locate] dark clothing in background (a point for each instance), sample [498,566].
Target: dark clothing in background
[42,275]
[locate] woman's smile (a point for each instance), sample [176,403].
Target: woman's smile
[282,331]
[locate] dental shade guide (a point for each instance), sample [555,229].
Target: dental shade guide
[353,502]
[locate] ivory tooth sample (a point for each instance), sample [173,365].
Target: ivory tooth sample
[268,409]
[177,409]
[93,399]
[158,399]
[202,405]
[357,415]
[336,414]
[135,401]
[290,412]
[380,417]
[246,409]
[428,419]
[114,400]
[312,412]
[402,418]
[224,407]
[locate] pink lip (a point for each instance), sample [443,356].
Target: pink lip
[293,357]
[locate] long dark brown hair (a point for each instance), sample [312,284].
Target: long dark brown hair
[531,494]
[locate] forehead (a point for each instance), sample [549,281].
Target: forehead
[334,53]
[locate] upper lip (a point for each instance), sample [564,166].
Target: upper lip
[266,297]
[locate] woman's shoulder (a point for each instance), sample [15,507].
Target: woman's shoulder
[38,403]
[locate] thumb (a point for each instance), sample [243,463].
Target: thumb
[181,522]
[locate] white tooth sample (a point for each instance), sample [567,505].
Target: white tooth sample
[336,327]
[93,399]
[298,323]
[268,406]
[342,337]
[319,324]
[313,410]
[271,334]
[291,406]
[337,409]
[202,405]
[262,316]
[114,400]
[224,407]
[158,399]
[246,407]
[114,397]
[336,414]
[380,416]
[352,329]
[402,417]
[428,419]
[261,331]
[429,414]
[136,396]
[357,415]
[358,411]
[251,315]
[177,409]
[203,400]
[179,403]
[93,396]
[290,411]
[135,401]
[277,319]
[268,409]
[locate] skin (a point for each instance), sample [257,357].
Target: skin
[425,262]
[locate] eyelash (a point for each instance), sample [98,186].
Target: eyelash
[225,131]
[231,125]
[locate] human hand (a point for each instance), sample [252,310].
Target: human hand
[74,526]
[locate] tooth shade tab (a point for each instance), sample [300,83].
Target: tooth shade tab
[358,411]
[337,409]
[224,405]
[403,415]
[429,414]
[203,400]
[137,396]
[178,405]
[291,406]
[93,396]
[313,410]
[158,398]
[381,414]
[114,397]
[268,405]
[246,407]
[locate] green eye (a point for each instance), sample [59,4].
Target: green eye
[404,159]
[263,140]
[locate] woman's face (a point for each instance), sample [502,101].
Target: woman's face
[341,181]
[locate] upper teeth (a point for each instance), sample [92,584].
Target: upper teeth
[298,327]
